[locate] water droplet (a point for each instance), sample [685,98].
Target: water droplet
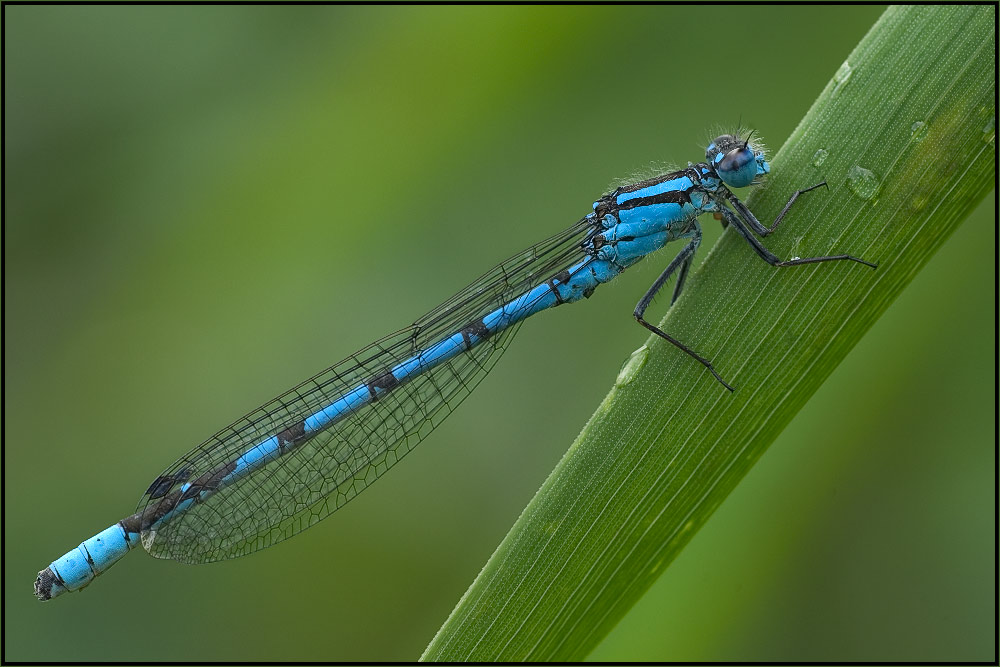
[988,130]
[918,131]
[631,366]
[863,182]
[841,76]
[819,157]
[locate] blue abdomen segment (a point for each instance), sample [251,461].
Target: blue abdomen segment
[80,566]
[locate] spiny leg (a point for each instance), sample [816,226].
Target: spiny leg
[683,262]
[752,220]
[682,276]
[773,259]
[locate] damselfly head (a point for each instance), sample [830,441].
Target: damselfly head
[737,161]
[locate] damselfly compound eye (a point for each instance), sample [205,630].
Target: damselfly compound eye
[738,167]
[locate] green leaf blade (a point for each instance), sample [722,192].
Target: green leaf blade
[914,106]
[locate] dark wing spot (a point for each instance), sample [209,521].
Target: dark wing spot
[162,484]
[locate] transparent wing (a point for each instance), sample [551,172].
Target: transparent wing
[318,476]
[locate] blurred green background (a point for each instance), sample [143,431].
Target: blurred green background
[206,205]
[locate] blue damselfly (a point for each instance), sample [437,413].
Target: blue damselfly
[304,454]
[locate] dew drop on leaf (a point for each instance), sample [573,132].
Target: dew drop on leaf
[632,366]
[841,76]
[863,182]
